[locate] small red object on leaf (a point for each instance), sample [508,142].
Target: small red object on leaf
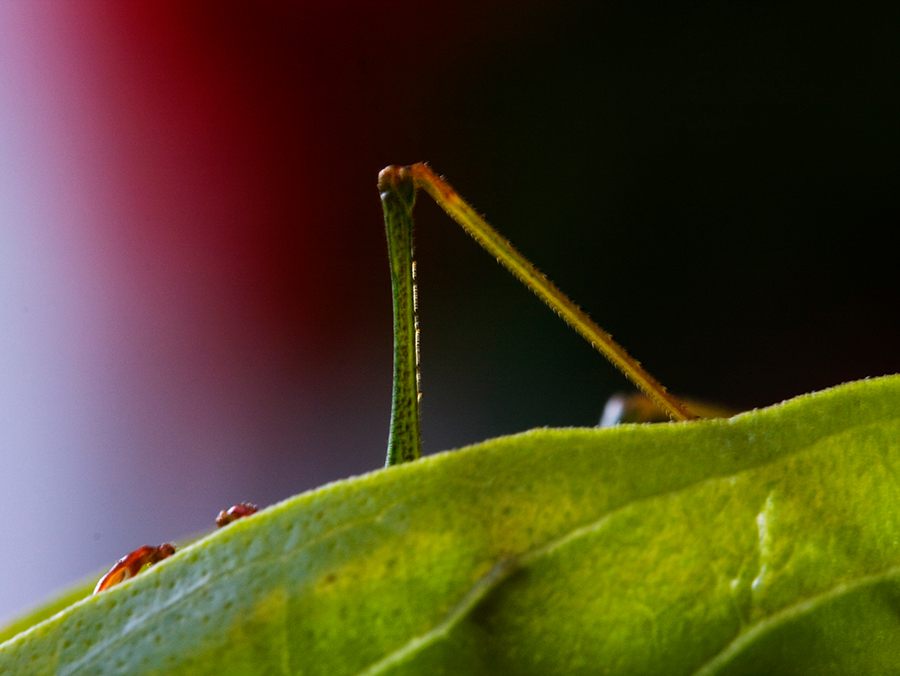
[239,511]
[130,565]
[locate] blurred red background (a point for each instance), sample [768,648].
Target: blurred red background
[195,293]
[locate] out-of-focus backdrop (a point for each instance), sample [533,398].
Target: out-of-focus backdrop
[194,294]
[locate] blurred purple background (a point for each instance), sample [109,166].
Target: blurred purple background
[193,279]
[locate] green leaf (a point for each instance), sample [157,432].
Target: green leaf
[48,609]
[765,543]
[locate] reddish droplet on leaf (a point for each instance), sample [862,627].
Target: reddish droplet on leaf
[239,511]
[131,564]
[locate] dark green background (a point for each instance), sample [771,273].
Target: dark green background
[715,184]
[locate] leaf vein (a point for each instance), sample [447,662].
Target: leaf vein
[476,592]
[785,615]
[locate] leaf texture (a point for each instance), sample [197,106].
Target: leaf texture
[764,543]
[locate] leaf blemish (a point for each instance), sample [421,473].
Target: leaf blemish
[764,524]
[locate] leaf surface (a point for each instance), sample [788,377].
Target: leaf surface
[764,543]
